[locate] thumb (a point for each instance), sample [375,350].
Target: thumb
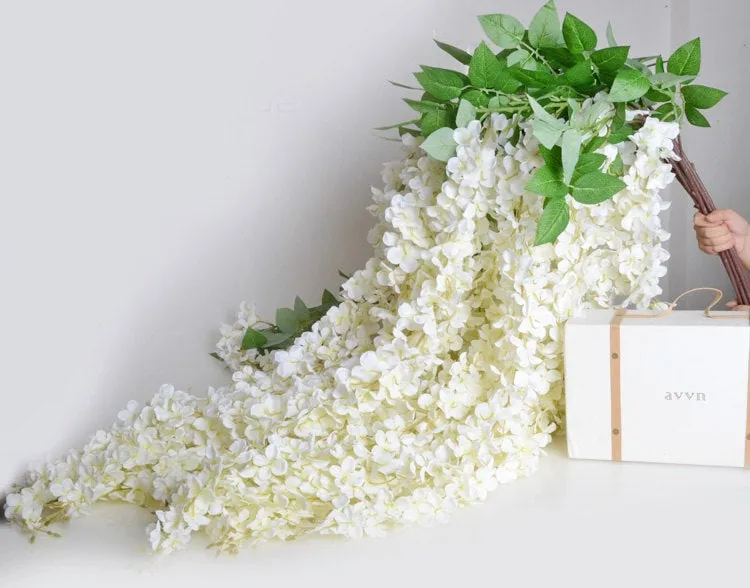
[722,215]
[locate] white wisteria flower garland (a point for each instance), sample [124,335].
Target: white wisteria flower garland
[437,378]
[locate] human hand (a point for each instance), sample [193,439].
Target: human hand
[732,304]
[721,230]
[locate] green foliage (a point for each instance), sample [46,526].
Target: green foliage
[290,324]
[686,60]
[699,96]
[553,221]
[440,144]
[596,187]
[579,36]
[455,52]
[544,74]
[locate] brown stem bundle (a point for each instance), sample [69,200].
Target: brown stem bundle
[691,181]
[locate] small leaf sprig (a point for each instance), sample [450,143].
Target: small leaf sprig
[544,74]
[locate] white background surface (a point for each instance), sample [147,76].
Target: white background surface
[161,161]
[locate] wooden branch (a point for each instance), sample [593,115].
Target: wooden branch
[696,189]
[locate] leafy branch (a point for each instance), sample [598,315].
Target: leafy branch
[544,73]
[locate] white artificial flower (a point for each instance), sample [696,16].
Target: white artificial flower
[437,378]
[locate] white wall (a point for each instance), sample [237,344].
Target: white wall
[162,160]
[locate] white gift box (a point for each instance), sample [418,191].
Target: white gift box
[668,389]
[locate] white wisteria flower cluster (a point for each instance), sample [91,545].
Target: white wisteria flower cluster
[437,378]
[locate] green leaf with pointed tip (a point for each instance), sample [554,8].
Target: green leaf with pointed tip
[329,298]
[587,163]
[547,182]
[657,95]
[617,167]
[477,98]
[596,187]
[611,36]
[571,150]
[695,117]
[286,320]
[659,65]
[553,221]
[504,30]
[485,71]
[300,309]
[665,112]
[444,84]
[459,54]
[440,144]
[686,60]
[621,134]
[544,29]
[434,120]
[522,58]
[552,158]
[253,339]
[629,85]
[403,85]
[610,59]
[560,57]
[594,144]
[668,80]
[466,113]
[278,340]
[580,76]
[534,79]
[421,106]
[699,96]
[579,36]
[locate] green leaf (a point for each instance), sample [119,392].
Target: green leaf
[432,121]
[571,150]
[619,119]
[253,339]
[477,98]
[695,117]
[596,187]
[686,60]
[534,79]
[278,340]
[579,36]
[396,125]
[594,144]
[668,80]
[620,134]
[547,129]
[523,58]
[403,85]
[544,29]
[215,356]
[699,96]
[454,52]
[485,71]
[657,95]
[665,112]
[440,144]
[617,167]
[286,320]
[466,113]
[587,163]
[504,30]
[547,182]
[300,310]
[552,159]
[659,65]
[611,36]
[559,56]
[343,275]
[410,130]
[444,84]
[629,85]
[580,76]
[494,102]
[553,221]
[329,298]
[610,59]
[421,106]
